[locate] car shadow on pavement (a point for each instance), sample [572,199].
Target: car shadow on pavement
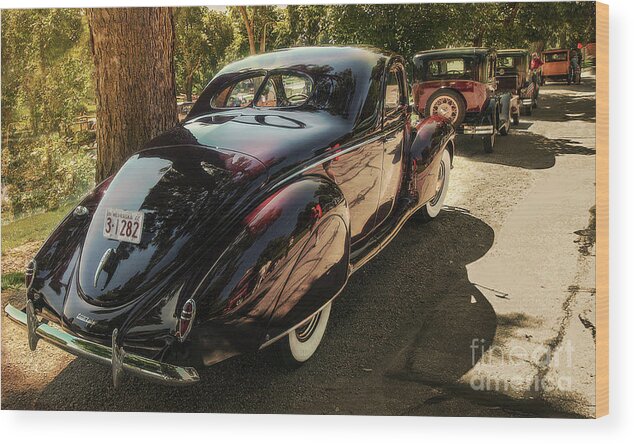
[521,149]
[411,311]
[458,323]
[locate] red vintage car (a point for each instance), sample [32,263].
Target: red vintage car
[559,66]
[460,85]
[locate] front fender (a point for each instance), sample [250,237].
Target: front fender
[290,256]
[505,105]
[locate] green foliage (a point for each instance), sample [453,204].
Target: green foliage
[45,171]
[268,22]
[303,25]
[12,281]
[46,85]
[202,39]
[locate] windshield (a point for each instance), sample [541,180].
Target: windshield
[450,68]
[277,90]
[556,56]
[509,62]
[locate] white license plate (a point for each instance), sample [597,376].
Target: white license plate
[123,225]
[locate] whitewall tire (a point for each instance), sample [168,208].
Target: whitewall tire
[300,344]
[433,207]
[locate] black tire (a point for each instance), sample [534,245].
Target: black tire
[534,103]
[488,142]
[528,110]
[452,103]
[504,131]
[516,119]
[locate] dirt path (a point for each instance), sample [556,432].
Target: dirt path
[501,264]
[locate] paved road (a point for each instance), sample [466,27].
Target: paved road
[401,334]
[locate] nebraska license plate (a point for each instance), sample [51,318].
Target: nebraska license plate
[123,225]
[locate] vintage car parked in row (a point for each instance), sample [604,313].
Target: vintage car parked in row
[558,66]
[460,85]
[237,229]
[514,75]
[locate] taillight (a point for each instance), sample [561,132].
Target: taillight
[29,274]
[186,319]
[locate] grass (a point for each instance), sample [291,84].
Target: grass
[12,281]
[32,228]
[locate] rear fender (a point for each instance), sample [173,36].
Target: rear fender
[432,135]
[296,241]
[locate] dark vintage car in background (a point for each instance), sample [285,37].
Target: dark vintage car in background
[515,76]
[460,85]
[237,229]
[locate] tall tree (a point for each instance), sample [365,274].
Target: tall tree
[259,22]
[133,52]
[248,24]
[202,37]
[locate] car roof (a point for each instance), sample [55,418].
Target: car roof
[555,50]
[513,51]
[455,52]
[312,58]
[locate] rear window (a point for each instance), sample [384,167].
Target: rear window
[556,56]
[277,90]
[509,62]
[454,68]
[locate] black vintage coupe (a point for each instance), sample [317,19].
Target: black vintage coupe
[238,228]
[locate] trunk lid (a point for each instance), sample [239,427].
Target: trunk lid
[183,192]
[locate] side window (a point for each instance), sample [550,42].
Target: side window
[297,89]
[268,95]
[492,65]
[283,90]
[393,91]
[237,95]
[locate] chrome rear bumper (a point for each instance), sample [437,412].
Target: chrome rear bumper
[119,360]
[476,129]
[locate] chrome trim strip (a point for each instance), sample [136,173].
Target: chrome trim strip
[315,164]
[102,263]
[477,129]
[135,364]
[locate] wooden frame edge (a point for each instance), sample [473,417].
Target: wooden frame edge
[602,211]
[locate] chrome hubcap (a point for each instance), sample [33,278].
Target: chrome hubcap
[446,107]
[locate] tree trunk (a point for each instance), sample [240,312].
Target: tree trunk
[263,39]
[189,86]
[249,25]
[133,52]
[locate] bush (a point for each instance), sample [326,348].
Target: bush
[41,173]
